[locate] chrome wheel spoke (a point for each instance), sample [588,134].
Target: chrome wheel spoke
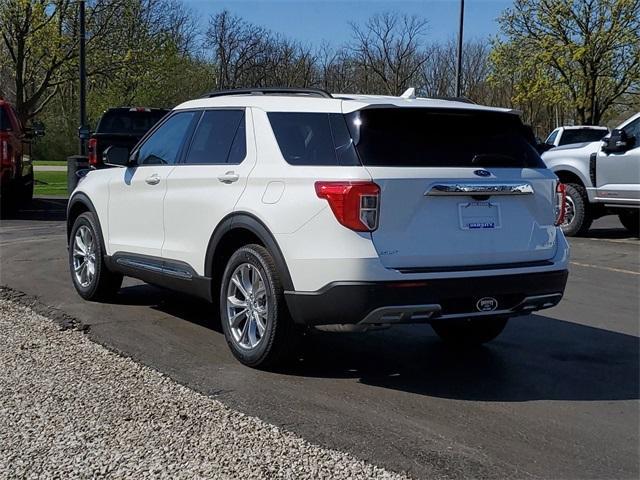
[237,318]
[238,283]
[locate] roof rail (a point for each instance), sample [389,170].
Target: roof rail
[453,99]
[318,92]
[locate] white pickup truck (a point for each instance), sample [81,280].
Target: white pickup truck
[601,178]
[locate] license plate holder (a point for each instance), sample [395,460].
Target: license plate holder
[479,216]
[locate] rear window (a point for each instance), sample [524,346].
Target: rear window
[128,122]
[5,123]
[420,137]
[582,136]
[219,138]
[313,138]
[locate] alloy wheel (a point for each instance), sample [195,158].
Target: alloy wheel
[569,212]
[84,256]
[247,306]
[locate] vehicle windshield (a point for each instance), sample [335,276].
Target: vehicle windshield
[129,122]
[421,137]
[582,136]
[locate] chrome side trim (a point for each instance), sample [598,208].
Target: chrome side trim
[480,188]
[128,262]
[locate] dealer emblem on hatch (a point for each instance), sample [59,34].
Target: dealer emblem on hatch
[487,304]
[482,173]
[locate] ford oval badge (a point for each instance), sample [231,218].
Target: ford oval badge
[487,304]
[482,173]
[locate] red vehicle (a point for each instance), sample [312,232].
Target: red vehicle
[16,169]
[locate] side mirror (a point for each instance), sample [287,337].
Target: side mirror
[617,142]
[34,131]
[116,156]
[543,147]
[38,129]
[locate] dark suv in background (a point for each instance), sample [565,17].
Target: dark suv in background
[121,127]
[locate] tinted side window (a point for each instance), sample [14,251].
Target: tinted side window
[219,137]
[313,138]
[163,146]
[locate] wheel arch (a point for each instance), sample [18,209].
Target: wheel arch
[235,230]
[78,204]
[567,175]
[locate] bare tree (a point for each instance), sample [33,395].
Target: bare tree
[388,48]
[39,39]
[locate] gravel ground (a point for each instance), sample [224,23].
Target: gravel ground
[69,408]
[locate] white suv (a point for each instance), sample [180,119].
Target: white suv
[294,208]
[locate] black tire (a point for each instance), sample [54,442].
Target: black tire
[582,218]
[469,331]
[280,338]
[631,221]
[104,284]
[26,191]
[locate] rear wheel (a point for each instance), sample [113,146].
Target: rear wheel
[577,218]
[469,331]
[255,318]
[91,277]
[631,221]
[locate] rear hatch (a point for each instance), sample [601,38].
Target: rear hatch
[459,188]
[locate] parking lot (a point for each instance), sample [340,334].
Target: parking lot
[556,396]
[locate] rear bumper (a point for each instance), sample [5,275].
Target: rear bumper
[423,300]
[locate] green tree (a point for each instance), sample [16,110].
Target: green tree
[582,52]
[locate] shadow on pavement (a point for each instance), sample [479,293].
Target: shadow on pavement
[536,358]
[40,209]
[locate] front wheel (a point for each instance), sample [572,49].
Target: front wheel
[469,331]
[91,277]
[631,221]
[255,318]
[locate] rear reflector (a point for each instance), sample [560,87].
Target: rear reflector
[561,203]
[356,205]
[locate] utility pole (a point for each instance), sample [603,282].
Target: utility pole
[83,132]
[459,64]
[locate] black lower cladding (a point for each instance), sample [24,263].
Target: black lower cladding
[350,302]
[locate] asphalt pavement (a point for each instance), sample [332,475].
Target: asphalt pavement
[556,396]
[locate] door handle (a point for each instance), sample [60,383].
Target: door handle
[229,177]
[153,179]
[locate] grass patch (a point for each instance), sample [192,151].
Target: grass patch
[51,183]
[50,163]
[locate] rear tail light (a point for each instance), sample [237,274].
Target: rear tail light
[92,150]
[561,203]
[356,205]
[5,159]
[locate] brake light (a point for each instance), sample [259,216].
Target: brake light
[561,203]
[356,205]
[4,152]
[92,150]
